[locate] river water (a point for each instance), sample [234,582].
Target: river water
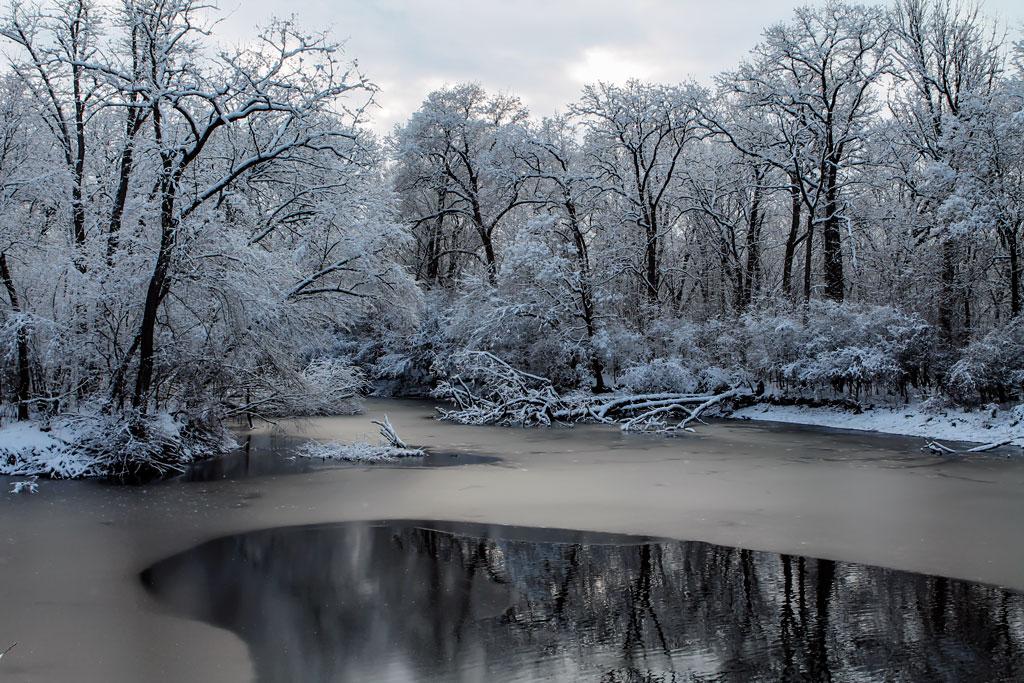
[690,559]
[426,601]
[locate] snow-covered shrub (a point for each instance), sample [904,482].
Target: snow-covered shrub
[675,375]
[527,334]
[94,444]
[853,348]
[620,347]
[659,375]
[771,340]
[325,386]
[990,368]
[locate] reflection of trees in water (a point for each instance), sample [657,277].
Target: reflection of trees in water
[353,602]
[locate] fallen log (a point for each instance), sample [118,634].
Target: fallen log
[942,449]
[487,390]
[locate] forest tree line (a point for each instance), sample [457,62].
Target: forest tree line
[206,233]
[843,210]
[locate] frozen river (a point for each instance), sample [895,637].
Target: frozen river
[199,580]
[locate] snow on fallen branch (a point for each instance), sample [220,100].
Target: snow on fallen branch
[488,391]
[942,449]
[388,433]
[29,486]
[393,448]
[650,420]
[355,452]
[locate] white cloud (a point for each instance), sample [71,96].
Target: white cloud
[541,50]
[610,64]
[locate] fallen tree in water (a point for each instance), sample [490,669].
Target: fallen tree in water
[392,448]
[942,449]
[486,390]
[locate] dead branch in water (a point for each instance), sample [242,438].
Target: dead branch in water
[942,449]
[388,433]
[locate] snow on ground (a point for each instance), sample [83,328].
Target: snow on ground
[27,450]
[951,424]
[356,452]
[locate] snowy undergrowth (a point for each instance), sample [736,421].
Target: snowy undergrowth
[989,425]
[96,445]
[356,452]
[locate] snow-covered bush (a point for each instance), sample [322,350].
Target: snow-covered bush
[94,444]
[659,375]
[675,375]
[990,368]
[848,348]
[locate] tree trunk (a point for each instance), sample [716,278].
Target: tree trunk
[489,256]
[155,292]
[832,245]
[753,266]
[123,181]
[486,232]
[1014,253]
[791,240]
[808,256]
[78,190]
[652,280]
[434,241]
[24,376]
[947,295]
[133,122]
[157,288]
[586,296]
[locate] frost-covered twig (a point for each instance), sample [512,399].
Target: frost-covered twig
[388,433]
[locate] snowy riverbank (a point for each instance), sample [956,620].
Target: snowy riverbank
[88,445]
[952,424]
[63,451]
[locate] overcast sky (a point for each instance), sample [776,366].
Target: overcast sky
[541,50]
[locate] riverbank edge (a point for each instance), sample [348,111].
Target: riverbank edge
[979,426]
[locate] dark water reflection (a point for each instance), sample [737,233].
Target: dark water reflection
[411,601]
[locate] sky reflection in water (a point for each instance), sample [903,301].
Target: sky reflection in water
[402,601]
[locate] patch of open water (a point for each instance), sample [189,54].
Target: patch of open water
[434,601]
